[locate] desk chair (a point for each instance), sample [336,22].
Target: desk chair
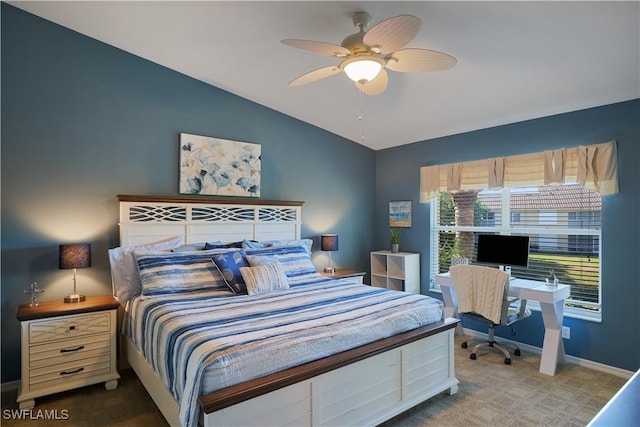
[483,295]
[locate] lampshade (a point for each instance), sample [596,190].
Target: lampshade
[362,69]
[329,242]
[75,256]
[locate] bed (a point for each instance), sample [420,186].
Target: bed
[310,351]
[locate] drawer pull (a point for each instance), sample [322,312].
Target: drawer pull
[65,350]
[72,328]
[72,372]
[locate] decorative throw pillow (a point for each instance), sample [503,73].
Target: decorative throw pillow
[263,279]
[124,269]
[178,272]
[229,264]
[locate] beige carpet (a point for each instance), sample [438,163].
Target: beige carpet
[490,394]
[494,394]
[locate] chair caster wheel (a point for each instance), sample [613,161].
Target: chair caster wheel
[507,361]
[472,356]
[463,345]
[517,352]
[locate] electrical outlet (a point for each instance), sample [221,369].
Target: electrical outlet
[566,332]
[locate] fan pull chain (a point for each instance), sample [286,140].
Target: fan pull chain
[361,115]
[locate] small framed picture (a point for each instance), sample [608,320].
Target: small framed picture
[400,214]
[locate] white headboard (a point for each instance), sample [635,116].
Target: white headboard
[146,219]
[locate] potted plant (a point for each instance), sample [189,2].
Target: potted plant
[395,240]
[552,280]
[457,254]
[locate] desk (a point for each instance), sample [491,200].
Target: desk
[551,299]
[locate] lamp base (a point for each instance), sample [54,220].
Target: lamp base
[74,298]
[329,270]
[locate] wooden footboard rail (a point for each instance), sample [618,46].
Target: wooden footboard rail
[229,396]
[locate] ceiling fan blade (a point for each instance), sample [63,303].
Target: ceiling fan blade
[318,47]
[392,34]
[416,60]
[375,86]
[315,75]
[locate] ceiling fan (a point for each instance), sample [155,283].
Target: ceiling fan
[366,54]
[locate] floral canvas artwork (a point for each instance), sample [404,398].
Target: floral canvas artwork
[221,167]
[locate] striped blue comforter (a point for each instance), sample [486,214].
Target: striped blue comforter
[198,343]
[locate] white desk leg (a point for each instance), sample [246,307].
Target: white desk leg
[451,306]
[552,347]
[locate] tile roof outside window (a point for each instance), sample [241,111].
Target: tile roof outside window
[559,198]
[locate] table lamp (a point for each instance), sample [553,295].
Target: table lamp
[329,243]
[75,256]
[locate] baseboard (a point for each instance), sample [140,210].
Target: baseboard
[9,386]
[618,372]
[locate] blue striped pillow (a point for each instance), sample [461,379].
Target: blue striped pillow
[295,260]
[178,272]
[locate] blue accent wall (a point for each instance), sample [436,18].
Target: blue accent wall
[613,342]
[83,122]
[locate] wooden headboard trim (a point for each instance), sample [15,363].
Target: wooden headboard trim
[208,199]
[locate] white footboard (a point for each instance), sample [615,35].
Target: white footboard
[366,392]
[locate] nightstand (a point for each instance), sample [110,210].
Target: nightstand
[341,273]
[66,346]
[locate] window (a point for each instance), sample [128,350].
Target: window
[563,223]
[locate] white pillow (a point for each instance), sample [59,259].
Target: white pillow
[191,247]
[124,268]
[263,279]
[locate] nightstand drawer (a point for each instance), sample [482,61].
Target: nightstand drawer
[58,375]
[68,327]
[71,350]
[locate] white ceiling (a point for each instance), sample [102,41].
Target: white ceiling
[516,60]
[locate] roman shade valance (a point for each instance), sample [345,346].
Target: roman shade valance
[593,166]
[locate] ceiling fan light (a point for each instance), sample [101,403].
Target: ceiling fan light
[364,69]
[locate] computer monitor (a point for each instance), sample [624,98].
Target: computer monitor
[503,250]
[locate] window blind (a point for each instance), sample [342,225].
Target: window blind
[562,222]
